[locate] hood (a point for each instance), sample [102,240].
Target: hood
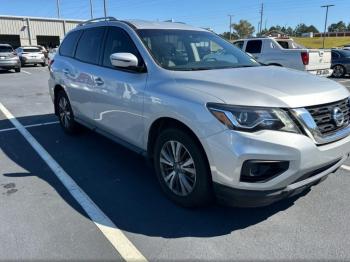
[265,86]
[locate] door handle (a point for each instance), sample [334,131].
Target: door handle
[66,72]
[99,81]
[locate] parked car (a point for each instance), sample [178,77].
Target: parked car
[51,55]
[346,47]
[340,62]
[43,50]
[246,133]
[285,52]
[31,55]
[9,59]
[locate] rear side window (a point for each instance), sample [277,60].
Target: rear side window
[68,45]
[90,45]
[239,44]
[254,46]
[5,49]
[118,41]
[284,44]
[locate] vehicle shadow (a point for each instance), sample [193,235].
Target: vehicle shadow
[123,185]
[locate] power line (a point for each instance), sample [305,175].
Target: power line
[325,22]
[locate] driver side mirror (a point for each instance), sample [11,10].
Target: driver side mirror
[124,60]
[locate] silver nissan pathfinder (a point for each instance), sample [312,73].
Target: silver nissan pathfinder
[213,121]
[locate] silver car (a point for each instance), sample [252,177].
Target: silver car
[31,55]
[9,59]
[211,125]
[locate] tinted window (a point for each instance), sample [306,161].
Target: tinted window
[239,44]
[254,46]
[118,41]
[68,46]
[90,44]
[5,49]
[31,50]
[284,44]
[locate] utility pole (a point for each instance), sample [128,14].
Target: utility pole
[58,9]
[230,25]
[105,7]
[261,17]
[325,22]
[91,10]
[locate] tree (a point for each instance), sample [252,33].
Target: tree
[337,27]
[243,29]
[349,27]
[226,35]
[303,28]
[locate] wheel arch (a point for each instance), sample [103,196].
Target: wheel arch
[56,90]
[163,123]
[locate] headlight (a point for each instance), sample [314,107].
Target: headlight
[252,119]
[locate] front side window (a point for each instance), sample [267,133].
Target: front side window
[254,47]
[187,50]
[90,45]
[118,42]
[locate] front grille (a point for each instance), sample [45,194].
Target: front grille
[322,115]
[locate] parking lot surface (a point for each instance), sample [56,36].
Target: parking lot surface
[41,220]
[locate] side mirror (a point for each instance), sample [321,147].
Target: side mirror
[124,60]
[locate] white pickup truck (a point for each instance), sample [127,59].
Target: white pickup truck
[285,52]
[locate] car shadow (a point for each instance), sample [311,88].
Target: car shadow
[123,185]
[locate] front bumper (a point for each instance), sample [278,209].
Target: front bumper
[228,150]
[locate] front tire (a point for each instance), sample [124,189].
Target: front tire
[182,169]
[339,71]
[65,114]
[18,69]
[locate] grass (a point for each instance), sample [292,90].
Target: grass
[316,42]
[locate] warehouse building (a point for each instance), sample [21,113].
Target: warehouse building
[21,31]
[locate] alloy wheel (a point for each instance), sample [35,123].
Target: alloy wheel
[64,112]
[338,71]
[177,168]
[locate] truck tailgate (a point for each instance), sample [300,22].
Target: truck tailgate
[319,59]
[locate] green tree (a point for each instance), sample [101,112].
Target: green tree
[303,28]
[226,35]
[337,27]
[243,29]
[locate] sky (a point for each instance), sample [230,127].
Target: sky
[203,13]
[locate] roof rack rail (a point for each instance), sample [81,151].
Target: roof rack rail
[95,20]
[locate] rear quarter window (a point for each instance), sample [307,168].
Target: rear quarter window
[69,43]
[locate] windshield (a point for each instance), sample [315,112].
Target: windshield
[186,50]
[5,49]
[31,50]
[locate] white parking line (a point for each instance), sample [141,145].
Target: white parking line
[115,236]
[347,168]
[28,126]
[26,72]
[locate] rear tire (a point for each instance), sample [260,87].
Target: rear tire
[17,70]
[182,169]
[43,64]
[65,114]
[339,71]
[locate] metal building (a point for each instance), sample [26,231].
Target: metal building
[21,31]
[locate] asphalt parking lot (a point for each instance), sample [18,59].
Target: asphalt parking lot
[41,220]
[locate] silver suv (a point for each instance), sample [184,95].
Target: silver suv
[213,121]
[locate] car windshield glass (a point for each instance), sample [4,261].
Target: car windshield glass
[5,49]
[31,50]
[186,50]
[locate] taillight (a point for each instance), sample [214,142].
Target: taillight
[305,58]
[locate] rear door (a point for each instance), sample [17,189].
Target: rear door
[118,93]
